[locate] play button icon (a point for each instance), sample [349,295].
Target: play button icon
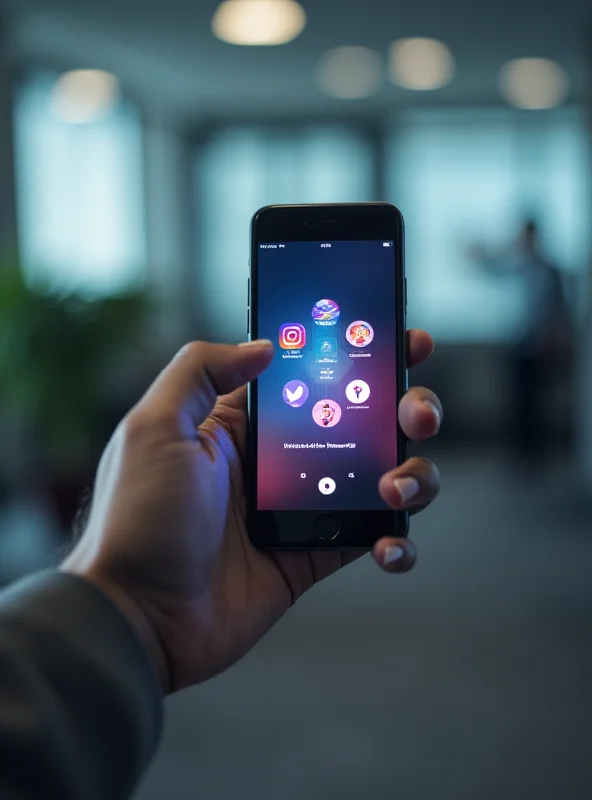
[327,486]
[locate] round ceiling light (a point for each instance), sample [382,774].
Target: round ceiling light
[84,95]
[258,22]
[420,64]
[534,84]
[350,73]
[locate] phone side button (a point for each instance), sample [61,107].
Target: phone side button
[248,321]
[326,527]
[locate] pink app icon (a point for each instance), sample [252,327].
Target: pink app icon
[292,336]
[326,413]
[359,333]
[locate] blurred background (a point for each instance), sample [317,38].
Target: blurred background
[136,141]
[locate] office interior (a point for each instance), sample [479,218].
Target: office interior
[136,142]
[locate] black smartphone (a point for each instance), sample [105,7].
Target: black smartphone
[327,286]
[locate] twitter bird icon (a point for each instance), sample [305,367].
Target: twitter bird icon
[295,393]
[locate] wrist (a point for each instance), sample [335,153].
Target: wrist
[142,627]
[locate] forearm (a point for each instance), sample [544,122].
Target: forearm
[80,704]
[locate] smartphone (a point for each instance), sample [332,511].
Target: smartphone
[327,286]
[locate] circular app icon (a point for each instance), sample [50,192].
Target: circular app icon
[327,486]
[325,312]
[357,392]
[326,413]
[295,393]
[359,333]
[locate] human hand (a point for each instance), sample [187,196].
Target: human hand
[166,537]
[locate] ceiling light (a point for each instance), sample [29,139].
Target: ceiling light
[258,22]
[350,73]
[533,83]
[420,64]
[84,95]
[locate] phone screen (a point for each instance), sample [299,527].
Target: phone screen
[327,405]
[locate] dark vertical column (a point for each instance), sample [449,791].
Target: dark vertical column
[378,136]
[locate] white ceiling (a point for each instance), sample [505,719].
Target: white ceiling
[165,53]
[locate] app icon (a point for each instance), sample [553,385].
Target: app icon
[303,474]
[327,486]
[326,413]
[325,312]
[292,336]
[295,393]
[359,334]
[357,392]
[325,349]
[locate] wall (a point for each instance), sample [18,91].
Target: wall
[471,381]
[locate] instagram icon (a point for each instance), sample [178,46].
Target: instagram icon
[292,336]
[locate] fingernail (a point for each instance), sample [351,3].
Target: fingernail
[257,343]
[392,554]
[407,488]
[434,408]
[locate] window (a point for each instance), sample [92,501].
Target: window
[241,170]
[80,195]
[467,178]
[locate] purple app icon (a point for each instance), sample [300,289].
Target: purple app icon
[295,393]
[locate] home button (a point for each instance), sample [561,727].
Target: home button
[326,527]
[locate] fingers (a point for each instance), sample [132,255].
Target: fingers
[236,400]
[395,555]
[420,346]
[230,411]
[420,414]
[186,390]
[412,486]
[392,555]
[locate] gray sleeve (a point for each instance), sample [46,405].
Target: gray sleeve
[80,705]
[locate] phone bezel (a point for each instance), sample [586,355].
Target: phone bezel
[294,530]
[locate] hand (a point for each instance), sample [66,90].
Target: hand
[166,537]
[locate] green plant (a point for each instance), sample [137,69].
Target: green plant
[55,357]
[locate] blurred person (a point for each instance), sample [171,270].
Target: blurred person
[542,346]
[164,588]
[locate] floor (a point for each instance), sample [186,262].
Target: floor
[468,679]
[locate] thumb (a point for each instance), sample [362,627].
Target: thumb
[186,390]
